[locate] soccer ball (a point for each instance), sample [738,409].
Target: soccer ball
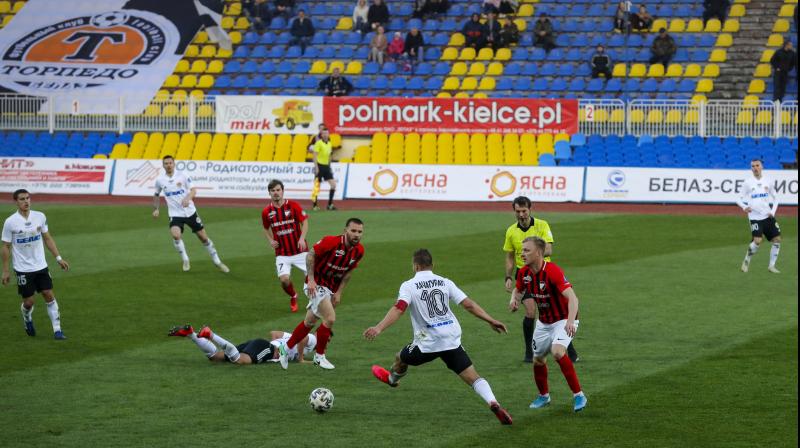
[109,19]
[321,399]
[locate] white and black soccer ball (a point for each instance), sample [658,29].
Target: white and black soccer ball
[321,399]
[109,19]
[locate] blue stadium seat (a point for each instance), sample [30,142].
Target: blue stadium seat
[423,69]
[361,83]
[548,69]
[293,52]
[256,82]
[512,69]
[309,82]
[285,66]
[441,68]
[434,83]
[504,83]
[268,38]
[266,67]
[415,83]
[361,53]
[613,85]
[398,83]
[276,52]
[537,54]
[380,83]
[577,85]
[232,67]
[242,52]
[631,85]
[370,68]
[539,85]
[583,70]
[389,68]
[353,38]
[327,52]
[259,52]
[547,159]
[595,85]
[345,53]
[239,82]
[565,69]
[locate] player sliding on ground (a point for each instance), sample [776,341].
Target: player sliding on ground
[545,283]
[179,193]
[254,351]
[437,333]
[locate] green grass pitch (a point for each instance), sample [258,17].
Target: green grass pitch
[679,348]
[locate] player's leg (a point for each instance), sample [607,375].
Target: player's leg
[393,375]
[301,331]
[315,192]
[559,349]
[209,245]
[244,358]
[230,350]
[528,323]
[283,265]
[328,314]
[458,361]
[177,232]
[331,193]
[542,341]
[26,308]
[773,234]
[52,308]
[206,346]
[757,231]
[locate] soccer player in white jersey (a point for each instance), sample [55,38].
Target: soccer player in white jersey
[25,234]
[179,193]
[437,333]
[757,194]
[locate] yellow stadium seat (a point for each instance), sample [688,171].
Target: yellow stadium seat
[677,26]
[731,26]
[353,68]
[461,149]
[266,148]
[456,40]
[458,69]
[461,95]
[170,111]
[153,110]
[283,148]
[674,116]
[655,71]
[744,117]
[227,23]
[215,66]
[764,117]
[469,83]
[236,37]
[756,86]
[153,147]
[202,146]
[751,101]
[544,143]
[494,69]
[527,145]
[318,67]
[617,116]
[786,117]
[450,83]
[674,71]
[692,71]
[713,26]
[205,82]
[99,156]
[786,11]
[503,54]
[724,40]
[705,86]
[172,81]
[718,55]
[396,148]
[192,51]
[467,54]
[692,116]
[694,26]
[521,24]
[179,96]
[299,150]
[741,1]
[218,145]
[763,71]
[198,66]
[5,7]
[182,66]
[485,54]
[336,141]
[380,145]
[781,26]
[188,81]
[476,69]
[444,146]
[736,11]
[637,116]
[186,146]
[345,24]
[233,150]
[171,145]
[480,95]
[449,54]
[511,149]
[205,111]
[242,23]
[162,95]
[494,149]
[620,70]
[767,55]
[477,149]
[487,83]
[698,98]
[775,40]
[361,154]
[428,147]
[200,38]
[17,6]
[444,95]
[658,24]
[637,70]
[198,95]
[208,51]
[655,116]
[411,151]
[336,64]
[234,9]
[561,137]
[223,53]
[525,10]
[711,71]
[120,151]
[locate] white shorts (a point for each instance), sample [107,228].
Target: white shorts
[322,294]
[545,335]
[284,263]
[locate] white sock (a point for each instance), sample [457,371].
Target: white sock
[212,251]
[181,249]
[751,250]
[55,319]
[27,314]
[773,253]
[230,350]
[394,377]
[205,345]
[483,389]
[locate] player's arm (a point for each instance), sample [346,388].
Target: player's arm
[572,310]
[515,301]
[314,152]
[268,230]
[51,246]
[189,197]
[391,317]
[476,310]
[156,202]
[337,296]
[774,199]
[301,243]
[312,282]
[510,265]
[742,201]
[5,253]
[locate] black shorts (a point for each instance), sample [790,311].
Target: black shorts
[259,350]
[29,283]
[324,172]
[194,222]
[765,227]
[456,359]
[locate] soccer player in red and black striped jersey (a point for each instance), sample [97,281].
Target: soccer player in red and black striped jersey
[545,283]
[333,259]
[286,226]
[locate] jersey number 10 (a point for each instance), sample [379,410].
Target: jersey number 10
[436,302]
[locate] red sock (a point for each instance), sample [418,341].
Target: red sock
[568,369]
[540,376]
[323,336]
[289,289]
[300,331]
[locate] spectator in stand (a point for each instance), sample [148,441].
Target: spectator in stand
[509,6]
[414,46]
[622,17]
[284,8]
[419,9]
[783,61]
[259,13]
[474,33]
[492,6]
[601,63]
[360,22]
[436,7]
[377,47]
[509,34]
[715,8]
[302,31]
[395,48]
[378,15]
[543,33]
[336,84]
[641,20]
[492,31]
[663,48]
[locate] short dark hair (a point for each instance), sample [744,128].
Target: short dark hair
[167,157]
[757,160]
[353,221]
[274,183]
[19,192]
[537,242]
[521,201]
[423,258]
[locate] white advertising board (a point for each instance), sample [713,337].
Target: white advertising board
[55,175]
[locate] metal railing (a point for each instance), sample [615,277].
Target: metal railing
[665,117]
[601,117]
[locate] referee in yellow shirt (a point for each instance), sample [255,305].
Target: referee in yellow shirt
[527,226]
[321,153]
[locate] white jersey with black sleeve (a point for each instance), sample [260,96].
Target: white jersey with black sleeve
[176,188]
[430,298]
[758,194]
[25,236]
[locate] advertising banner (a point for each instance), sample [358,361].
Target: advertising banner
[216,179]
[88,50]
[464,183]
[51,175]
[680,185]
[269,114]
[366,116]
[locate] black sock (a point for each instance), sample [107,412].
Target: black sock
[527,332]
[571,352]
[330,197]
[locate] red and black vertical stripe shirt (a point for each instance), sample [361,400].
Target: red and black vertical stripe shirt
[285,222]
[333,259]
[546,288]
